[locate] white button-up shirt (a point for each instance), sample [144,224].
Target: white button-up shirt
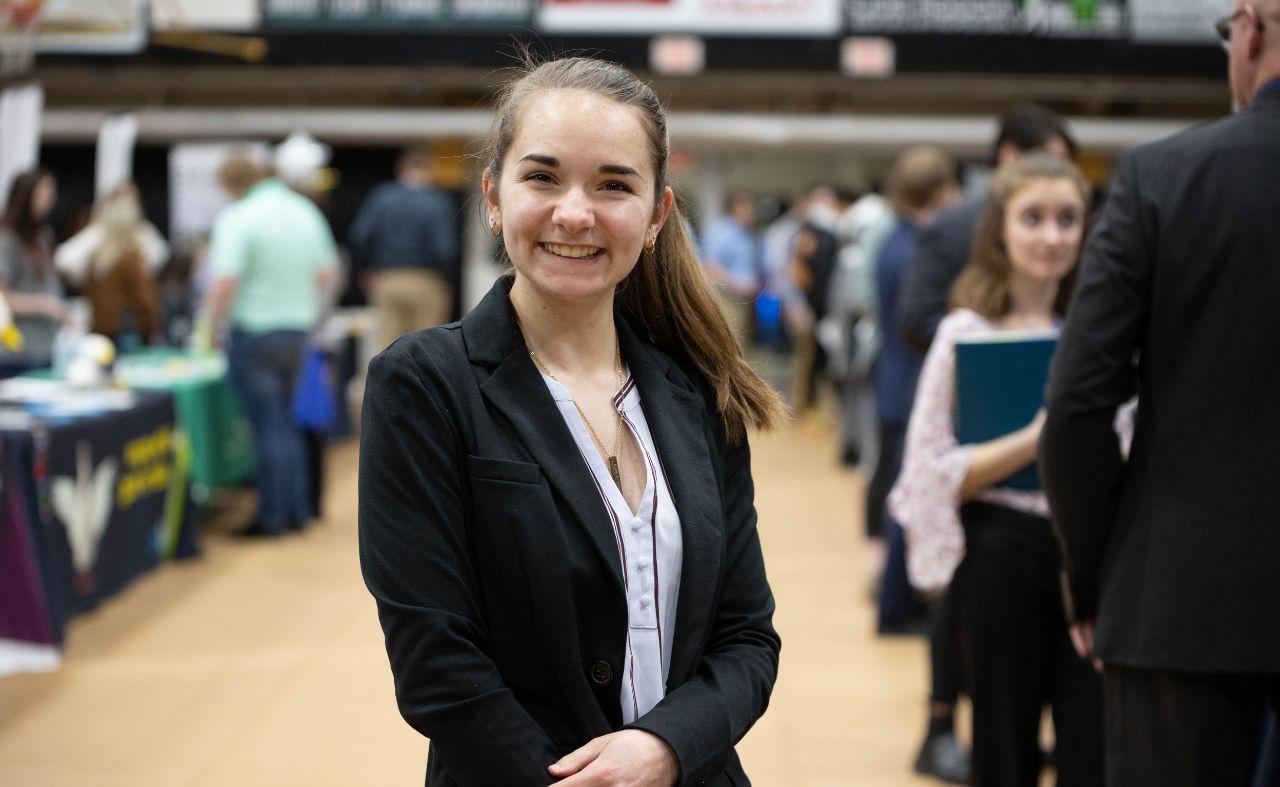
[649,545]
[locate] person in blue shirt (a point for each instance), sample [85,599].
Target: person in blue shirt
[730,255]
[405,236]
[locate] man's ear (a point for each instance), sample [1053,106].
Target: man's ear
[1257,40]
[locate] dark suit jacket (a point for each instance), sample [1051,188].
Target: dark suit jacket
[1177,552]
[496,574]
[942,252]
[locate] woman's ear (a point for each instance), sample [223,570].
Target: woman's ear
[662,210]
[490,190]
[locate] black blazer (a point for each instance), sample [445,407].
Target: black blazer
[493,562]
[1177,552]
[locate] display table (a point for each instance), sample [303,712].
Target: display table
[208,412]
[91,498]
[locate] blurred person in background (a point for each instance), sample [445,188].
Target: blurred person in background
[945,244]
[598,384]
[778,287]
[1171,556]
[731,258]
[73,255]
[28,279]
[813,261]
[123,299]
[998,542]
[272,259]
[405,237]
[849,332]
[921,184]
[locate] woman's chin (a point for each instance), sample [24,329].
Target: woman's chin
[583,284]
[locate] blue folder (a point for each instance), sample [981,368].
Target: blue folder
[1000,380]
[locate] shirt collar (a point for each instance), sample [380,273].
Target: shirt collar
[1269,91]
[630,399]
[263,186]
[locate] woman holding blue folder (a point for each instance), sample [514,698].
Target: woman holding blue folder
[992,542]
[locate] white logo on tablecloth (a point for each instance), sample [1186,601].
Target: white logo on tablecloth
[83,504]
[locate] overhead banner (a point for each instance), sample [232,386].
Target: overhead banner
[1174,21]
[705,17]
[398,14]
[1050,18]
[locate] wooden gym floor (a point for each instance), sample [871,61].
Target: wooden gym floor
[262,663]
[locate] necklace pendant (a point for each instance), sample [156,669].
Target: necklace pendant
[614,471]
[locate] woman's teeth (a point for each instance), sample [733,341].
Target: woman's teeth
[572,252]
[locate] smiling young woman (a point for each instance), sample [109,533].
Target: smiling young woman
[556,514]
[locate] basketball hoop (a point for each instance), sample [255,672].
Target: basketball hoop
[19,22]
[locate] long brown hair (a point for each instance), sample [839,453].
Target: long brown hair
[19,212]
[667,293]
[120,217]
[983,285]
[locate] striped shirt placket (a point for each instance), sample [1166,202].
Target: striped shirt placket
[626,587]
[653,533]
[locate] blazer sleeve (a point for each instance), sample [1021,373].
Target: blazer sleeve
[416,562]
[706,716]
[1093,373]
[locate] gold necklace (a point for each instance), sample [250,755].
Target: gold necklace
[612,457]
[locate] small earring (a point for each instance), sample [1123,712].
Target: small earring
[649,243]
[494,227]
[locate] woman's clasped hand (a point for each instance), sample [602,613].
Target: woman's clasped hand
[627,758]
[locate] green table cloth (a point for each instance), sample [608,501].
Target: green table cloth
[208,412]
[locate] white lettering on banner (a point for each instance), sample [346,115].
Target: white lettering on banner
[412,7]
[350,7]
[490,7]
[1050,17]
[1174,20]
[292,7]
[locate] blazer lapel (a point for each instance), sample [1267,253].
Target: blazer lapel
[515,388]
[675,416]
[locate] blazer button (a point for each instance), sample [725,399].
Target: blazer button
[601,673]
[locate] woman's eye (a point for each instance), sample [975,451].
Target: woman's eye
[615,185]
[1068,220]
[541,177]
[1031,218]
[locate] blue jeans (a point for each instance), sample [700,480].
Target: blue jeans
[264,370]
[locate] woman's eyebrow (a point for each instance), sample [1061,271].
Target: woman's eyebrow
[552,161]
[618,169]
[540,158]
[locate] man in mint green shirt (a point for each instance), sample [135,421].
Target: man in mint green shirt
[272,259]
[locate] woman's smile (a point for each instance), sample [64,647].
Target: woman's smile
[572,253]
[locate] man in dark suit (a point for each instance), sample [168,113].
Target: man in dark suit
[1171,560]
[945,244]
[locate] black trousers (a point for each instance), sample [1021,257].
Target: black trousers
[888,465]
[944,651]
[1174,729]
[1017,656]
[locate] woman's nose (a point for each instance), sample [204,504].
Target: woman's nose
[573,211]
[1056,234]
